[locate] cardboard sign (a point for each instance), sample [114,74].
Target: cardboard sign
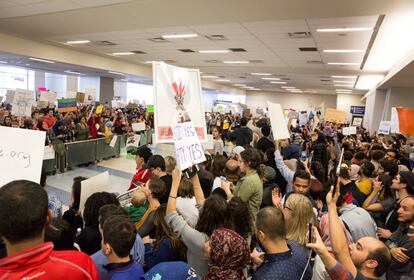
[71,94]
[48,96]
[98,183]
[21,154]
[67,105]
[277,120]
[349,130]
[150,108]
[80,97]
[133,141]
[49,153]
[90,95]
[22,103]
[138,126]
[177,97]
[384,127]
[357,121]
[188,149]
[332,115]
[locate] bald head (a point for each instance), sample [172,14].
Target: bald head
[232,170]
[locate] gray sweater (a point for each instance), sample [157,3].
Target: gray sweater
[193,239]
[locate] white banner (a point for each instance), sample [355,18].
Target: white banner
[177,99]
[349,130]
[48,96]
[277,120]
[98,183]
[188,149]
[384,127]
[21,154]
[395,124]
[138,126]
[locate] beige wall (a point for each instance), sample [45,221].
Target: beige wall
[289,100]
[345,101]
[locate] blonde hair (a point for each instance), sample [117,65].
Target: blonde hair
[138,198]
[301,214]
[170,164]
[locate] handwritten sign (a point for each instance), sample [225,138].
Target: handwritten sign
[138,126]
[49,153]
[23,100]
[98,183]
[188,149]
[349,130]
[20,160]
[384,127]
[99,109]
[67,105]
[150,108]
[357,121]
[133,141]
[332,115]
[277,119]
[48,96]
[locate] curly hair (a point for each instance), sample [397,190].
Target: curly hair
[253,159]
[241,217]
[93,204]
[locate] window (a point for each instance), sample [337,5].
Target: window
[140,92]
[15,77]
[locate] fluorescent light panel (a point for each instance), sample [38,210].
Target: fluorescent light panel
[344,77]
[235,61]
[271,79]
[343,63]
[261,74]
[209,77]
[283,83]
[214,51]
[151,61]
[122,53]
[73,72]
[179,36]
[288,87]
[239,85]
[343,51]
[368,82]
[116,73]
[345,82]
[3,62]
[344,29]
[41,60]
[78,42]
[222,80]
[338,85]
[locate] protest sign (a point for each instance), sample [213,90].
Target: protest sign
[177,97]
[99,109]
[384,127]
[133,141]
[303,118]
[350,130]
[209,145]
[48,96]
[395,125]
[90,95]
[357,121]
[9,96]
[98,183]
[277,120]
[138,126]
[188,149]
[67,105]
[405,121]
[150,108]
[21,154]
[125,198]
[49,153]
[333,115]
[113,141]
[22,103]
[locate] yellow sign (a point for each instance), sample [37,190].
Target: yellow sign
[333,115]
[99,109]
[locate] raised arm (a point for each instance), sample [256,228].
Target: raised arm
[337,235]
[172,200]
[368,205]
[284,170]
[198,191]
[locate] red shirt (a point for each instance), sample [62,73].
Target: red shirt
[42,262]
[142,176]
[50,121]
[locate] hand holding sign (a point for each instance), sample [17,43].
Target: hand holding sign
[277,121]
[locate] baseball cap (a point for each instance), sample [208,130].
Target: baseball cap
[155,161]
[143,152]
[171,271]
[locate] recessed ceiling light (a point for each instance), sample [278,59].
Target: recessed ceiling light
[209,77]
[239,85]
[255,89]
[41,60]
[235,61]
[288,87]
[214,51]
[116,73]
[271,79]
[222,80]
[122,53]
[73,72]
[179,36]
[3,62]
[344,77]
[338,85]
[344,82]
[261,74]
[343,51]
[283,83]
[368,81]
[343,63]
[78,42]
[344,29]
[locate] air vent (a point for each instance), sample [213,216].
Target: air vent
[308,49]
[314,62]
[216,37]
[299,35]
[138,52]
[221,77]
[237,50]
[186,50]
[242,77]
[158,40]
[213,61]
[104,43]
[285,79]
[255,61]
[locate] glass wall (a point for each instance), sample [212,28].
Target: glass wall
[140,92]
[15,77]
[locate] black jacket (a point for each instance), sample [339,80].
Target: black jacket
[242,135]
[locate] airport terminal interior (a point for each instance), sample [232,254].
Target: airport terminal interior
[191,139]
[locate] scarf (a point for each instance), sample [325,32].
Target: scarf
[229,256]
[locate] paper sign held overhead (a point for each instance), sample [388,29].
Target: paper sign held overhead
[405,121]
[48,96]
[384,127]
[349,130]
[21,154]
[188,149]
[138,126]
[277,120]
[67,105]
[22,103]
[98,183]
[332,115]
[133,141]
[395,125]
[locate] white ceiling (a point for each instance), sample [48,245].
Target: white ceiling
[261,28]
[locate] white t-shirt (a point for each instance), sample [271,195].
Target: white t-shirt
[187,208]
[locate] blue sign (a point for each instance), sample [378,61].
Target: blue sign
[358,110]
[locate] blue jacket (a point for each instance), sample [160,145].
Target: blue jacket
[121,271]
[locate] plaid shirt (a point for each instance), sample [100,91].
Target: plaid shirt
[55,205]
